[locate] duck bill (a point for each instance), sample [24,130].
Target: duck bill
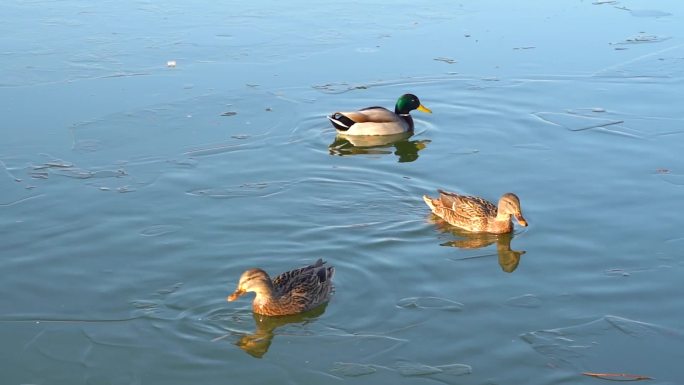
[422,108]
[521,220]
[235,295]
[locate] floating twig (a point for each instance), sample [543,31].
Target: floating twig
[618,376]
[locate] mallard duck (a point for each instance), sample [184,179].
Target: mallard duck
[379,120]
[291,292]
[476,214]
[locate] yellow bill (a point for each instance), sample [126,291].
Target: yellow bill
[422,108]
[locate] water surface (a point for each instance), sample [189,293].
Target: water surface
[135,193]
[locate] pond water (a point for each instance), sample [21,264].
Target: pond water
[151,153]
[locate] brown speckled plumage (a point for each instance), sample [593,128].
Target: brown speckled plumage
[477,214]
[291,292]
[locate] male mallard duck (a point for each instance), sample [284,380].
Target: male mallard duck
[292,292]
[477,214]
[379,120]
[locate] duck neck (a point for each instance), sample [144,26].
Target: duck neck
[269,303]
[405,116]
[502,223]
[264,295]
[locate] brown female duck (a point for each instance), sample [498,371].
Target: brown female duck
[476,214]
[291,292]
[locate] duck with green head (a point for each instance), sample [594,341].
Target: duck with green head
[379,120]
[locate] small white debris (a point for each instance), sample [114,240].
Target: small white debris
[171,63]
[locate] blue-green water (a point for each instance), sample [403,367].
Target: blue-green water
[135,193]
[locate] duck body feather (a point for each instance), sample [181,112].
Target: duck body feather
[465,211]
[371,121]
[476,214]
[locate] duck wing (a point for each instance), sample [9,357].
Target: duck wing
[377,114]
[306,287]
[344,120]
[467,206]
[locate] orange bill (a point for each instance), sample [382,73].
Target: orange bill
[235,295]
[521,220]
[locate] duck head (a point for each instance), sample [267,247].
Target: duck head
[509,204]
[408,103]
[255,280]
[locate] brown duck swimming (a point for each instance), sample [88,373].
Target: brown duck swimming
[477,214]
[291,292]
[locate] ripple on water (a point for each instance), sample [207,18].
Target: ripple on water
[158,230]
[193,127]
[14,189]
[612,345]
[574,122]
[251,189]
[351,369]
[435,303]
[404,368]
[67,345]
[412,369]
[533,146]
[122,177]
[673,179]
[662,64]
[526,300]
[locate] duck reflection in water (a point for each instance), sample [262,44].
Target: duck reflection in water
[508,259]
[256,344]
[405,149]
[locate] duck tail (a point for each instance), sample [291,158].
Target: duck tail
[340,122]
[429,202]
[324,273]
